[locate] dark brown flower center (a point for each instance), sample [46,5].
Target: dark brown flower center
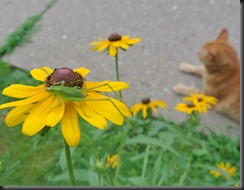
[199,99]
[114,37]
[65,76]
[190,105]
[146,101]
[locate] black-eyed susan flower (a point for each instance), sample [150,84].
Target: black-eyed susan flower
[201,99]
[112,160]
[147,104]
[197,103]
[226,168]
[114,42]
[189,108]
[63,96]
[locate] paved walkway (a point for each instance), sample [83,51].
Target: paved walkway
[172,32]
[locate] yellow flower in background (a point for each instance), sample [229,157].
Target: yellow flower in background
[225,168]
[189,108]
[114,42]
[63,96]
[196,103]
[112,160]
[201,99]
[147,104]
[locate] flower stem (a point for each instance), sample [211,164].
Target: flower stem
[69,164]
[117,71]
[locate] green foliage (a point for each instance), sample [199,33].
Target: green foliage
[10,75]
[158,153]
[5,169]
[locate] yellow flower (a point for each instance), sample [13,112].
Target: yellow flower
[112,160]
[189,108]
[196,103]
[225,168]
[145,104]
[114,42]
[53,102]
[201,99]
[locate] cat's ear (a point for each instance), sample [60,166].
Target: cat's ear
[223,35]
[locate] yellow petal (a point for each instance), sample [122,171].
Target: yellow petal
[82,71]
[126,37]
[103,46]
[89,115]
[144,111]
[122,107]
[136,108]
[159,103]
[41,73]
[70,125]
[35,98]
[36,119]
[18,115]
[94,43]
[221,165]
[106,86]
[112,50]
[100,46]
[152,107]
[22,91]
[231,170]
[227,165]
[107,107]
[95,48]
[56,113]
[133,41]
[117,43]
[123,45]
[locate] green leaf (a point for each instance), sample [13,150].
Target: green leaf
[139,181]
[153,141]
[140,156]
[93,178]
[200,152]
[80,175]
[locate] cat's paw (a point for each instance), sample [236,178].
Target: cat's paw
[179,88]
[186,67]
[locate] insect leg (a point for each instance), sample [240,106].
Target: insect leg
[116,107]
[105,84]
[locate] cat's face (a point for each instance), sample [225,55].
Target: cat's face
[211,53]
[217,53]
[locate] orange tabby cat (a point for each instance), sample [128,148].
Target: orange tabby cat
[220,73]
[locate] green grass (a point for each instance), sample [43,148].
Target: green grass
[158,153]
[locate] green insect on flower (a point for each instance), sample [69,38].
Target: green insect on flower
[63,96]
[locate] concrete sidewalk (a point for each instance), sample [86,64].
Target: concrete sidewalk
[172,32]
